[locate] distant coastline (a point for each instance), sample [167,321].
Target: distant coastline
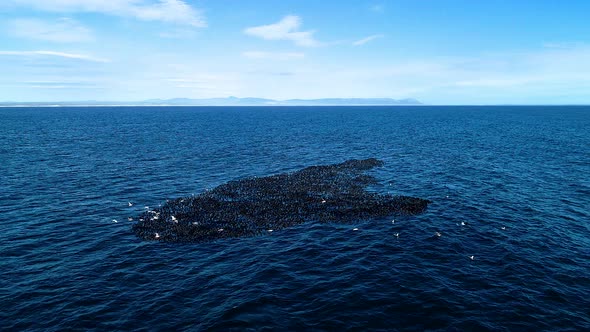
[229,101]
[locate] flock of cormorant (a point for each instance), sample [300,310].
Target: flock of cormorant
[332,193]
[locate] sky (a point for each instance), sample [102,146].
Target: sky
[439,52]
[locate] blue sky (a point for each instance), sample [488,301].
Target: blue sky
[440,52]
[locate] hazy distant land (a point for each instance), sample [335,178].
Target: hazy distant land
[229,101]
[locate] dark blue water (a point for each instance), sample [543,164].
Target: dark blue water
[518,177]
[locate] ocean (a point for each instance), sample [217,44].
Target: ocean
[510,192]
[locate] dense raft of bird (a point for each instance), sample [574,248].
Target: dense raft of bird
[333,193]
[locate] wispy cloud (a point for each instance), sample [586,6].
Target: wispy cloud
[366,40]
[53,54]
[63,30]
[178,34]
[377,8]
[170,11]
[57,85]
[286,29]
[563,45]
[273,55]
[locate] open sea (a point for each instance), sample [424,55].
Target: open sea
[510,192]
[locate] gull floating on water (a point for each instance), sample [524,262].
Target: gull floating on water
[438,234]
[472,257]
[462,223]
[129,218]
[503,228]
[270,230]
[115,220]
[355,229]
[393,221]
[157,236]
[396,234]
[130,204]
[323,201]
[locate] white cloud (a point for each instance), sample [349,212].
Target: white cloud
[285,29]
[366,40]
[170,11]
[63,30]
[273,55]
[53,54]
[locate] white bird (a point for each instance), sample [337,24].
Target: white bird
[115,220]
[130,204]
[472,257]
[503,228]
[130,219]
[173,218]
[355,229]
[438,234]
[393,221]
[462,223]
[396,234]
[270,230]
[146,207]
[157,236]
[220,230]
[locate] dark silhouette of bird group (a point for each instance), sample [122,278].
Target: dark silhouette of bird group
[332,193]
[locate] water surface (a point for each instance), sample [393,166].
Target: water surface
[518,177]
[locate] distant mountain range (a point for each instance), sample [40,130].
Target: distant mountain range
[229,101]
